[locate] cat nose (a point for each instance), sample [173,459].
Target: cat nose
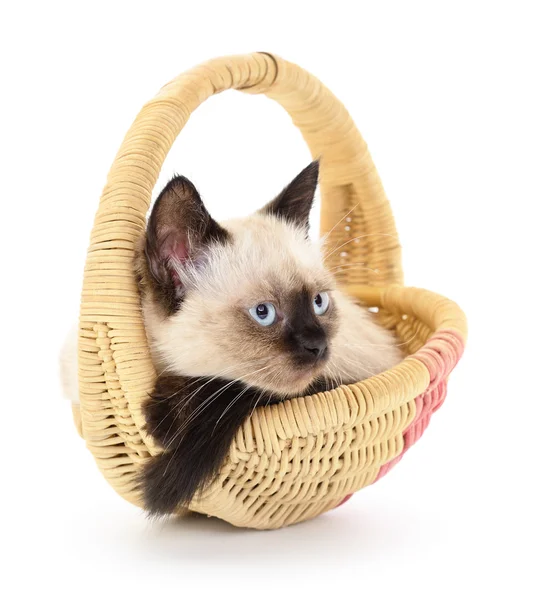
[314,346]
[317,350]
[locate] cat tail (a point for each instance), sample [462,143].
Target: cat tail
[171,479]
[195,448]
[166,483]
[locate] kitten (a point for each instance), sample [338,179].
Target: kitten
[238,315]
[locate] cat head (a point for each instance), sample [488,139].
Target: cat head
[248,299]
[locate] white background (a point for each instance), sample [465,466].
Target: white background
[451,99]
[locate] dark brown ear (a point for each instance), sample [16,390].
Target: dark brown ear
[179,232]
[294,203]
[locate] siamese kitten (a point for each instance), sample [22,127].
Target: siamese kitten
[238,314]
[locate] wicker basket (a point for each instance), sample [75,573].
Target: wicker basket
[295,460]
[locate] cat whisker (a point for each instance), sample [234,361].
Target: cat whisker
[325,237]
[199,409]
[180,405]
[256,403]
[197,412]
[229,406]
[358,237]
[269,399]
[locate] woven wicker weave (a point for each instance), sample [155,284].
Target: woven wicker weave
[295,460]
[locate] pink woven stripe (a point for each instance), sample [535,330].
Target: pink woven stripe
[425,404]
[440,359]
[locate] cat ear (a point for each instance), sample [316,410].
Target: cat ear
[295,201]
[179,230]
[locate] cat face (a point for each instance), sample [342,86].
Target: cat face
[247,299]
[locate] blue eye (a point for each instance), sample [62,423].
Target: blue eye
[321,303]
[264,313]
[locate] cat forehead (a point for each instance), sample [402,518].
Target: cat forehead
[264,251]
[268,240]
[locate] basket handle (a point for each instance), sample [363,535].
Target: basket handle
[115,369]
